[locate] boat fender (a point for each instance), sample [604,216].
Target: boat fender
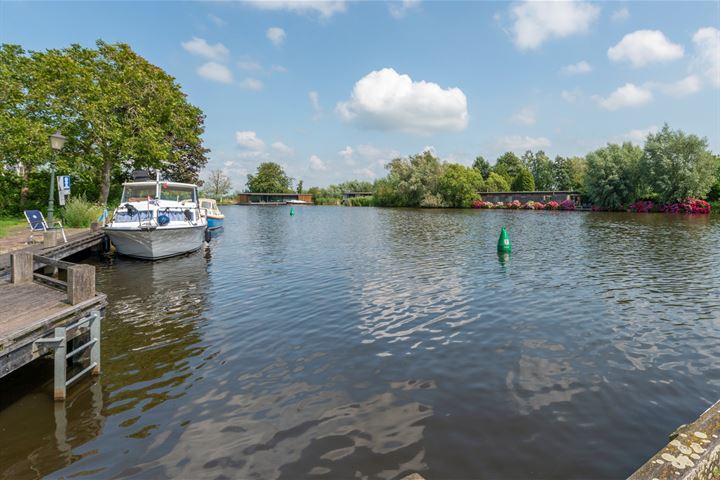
[188,215]
[163,220]
[208,235]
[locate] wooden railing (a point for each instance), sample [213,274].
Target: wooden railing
[80,284]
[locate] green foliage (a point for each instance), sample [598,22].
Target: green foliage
[78,212]
[458,186]
[612,175]
[299,186]
[483,166]
[433,200]
[409,180]
[541,168]
[496,183]
[217,185]
[569,173]
[524,181]
[7,223]
[508,166]
[678,166]
[714,193]
[269,178]
[359,201]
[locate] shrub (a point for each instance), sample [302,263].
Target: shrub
[80,213]
[432,201]
[567,205]
[359,202]
[515,204]
[690,205]
[552,205]
[642,206]
[539,206]
[481,204]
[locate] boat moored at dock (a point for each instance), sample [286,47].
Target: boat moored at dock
[210,210]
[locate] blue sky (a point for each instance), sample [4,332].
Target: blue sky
[333,90]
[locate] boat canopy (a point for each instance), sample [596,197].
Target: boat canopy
[141,191]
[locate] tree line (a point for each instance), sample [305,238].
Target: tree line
[118,111]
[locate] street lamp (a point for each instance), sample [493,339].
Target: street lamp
[56,143]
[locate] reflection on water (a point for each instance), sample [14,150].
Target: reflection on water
[372,343]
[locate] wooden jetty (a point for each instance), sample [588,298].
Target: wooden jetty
[44,315]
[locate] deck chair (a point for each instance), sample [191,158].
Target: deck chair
[38,224]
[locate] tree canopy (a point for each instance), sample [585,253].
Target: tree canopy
[524,181]
[459,185]
[483,166]
[269,178]
[217,185]
[612,175]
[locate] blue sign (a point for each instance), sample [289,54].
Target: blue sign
[66,182]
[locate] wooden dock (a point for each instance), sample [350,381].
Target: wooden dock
[42,315]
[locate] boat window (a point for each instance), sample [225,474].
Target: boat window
[136,193]
[177,194]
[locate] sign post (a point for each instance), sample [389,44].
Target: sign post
[63,182]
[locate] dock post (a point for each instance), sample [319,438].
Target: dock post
[80,283]
[22,267]
[59,359]
[50,238]
[95,332]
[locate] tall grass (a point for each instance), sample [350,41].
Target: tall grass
[359,202]
[7,222]
[80,213]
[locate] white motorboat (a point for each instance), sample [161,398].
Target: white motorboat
[157,220]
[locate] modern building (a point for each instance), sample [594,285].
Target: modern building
[524,197]
[272,198]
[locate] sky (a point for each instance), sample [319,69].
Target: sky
[333,90]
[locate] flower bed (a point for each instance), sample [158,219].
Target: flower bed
[530,205]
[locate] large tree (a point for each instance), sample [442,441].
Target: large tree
[612,179]
[541,168]
[509,166]
[459,185]
[483,166]
[496,183]
[410,180]
[524,181]
[269,178]
[677,166]
[218,184]
[569,172]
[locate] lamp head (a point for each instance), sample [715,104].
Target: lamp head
[57,141]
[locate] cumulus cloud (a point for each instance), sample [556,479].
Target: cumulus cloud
[682,88]
[276,35]
[249,140]
[620,15]
[282,148]
[216,72]
[629,95]
[386,100]
[198,46]
[398,9]
[535,22]
[325,9]
[347,154]
[639,135]
[644,47]
[251,84]
[707,54]
[526,116]
[520,143]
[570,96]
[316,164]
[577,68]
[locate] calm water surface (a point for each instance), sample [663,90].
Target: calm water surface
[371,343]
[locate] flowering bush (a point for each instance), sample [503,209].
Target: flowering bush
[539,206]
[689,205]
[567,205]
[481,204]
[515,204]
[552,205]
[529,205]
[642,206]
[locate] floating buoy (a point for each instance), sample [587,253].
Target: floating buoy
[292,211]
[504,245]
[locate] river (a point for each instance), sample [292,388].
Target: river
[372,343]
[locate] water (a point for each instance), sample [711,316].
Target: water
[372,343]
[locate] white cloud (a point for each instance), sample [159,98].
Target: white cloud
[325,9]
[276,35]
[251,84]
[347,154]
[315,100]
[536,22]
[399,9]
[364,172]
[687,86]
[707,54]
[279,69]
[620,15]
[577,68]
[216,20]
[282,148]
[198,46]
[249,64]
[249,140]
[386,100]
[639,135]
[570,96]
[519,143]
[526,116]
[629,95]
[316,164]
[216,72]
[644,47]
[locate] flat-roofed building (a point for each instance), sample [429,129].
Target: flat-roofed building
[273,198]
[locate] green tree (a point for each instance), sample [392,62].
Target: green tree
[569,173]
[459,185]
[677,166]
[612,179]
[409,181]
[524,181]
[300,186]
[496,183]
[483,166]
[541,168]
[269,178]
[217,185]
[509,166]
[714,193]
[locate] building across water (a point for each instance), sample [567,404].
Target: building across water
[524,197]
[273,198]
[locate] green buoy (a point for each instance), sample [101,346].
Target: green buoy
[292,211]
[504,245]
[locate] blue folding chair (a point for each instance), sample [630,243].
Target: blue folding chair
[38,224]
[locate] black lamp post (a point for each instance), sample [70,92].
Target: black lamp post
[56,143]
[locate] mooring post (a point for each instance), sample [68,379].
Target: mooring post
[95,332]
[59,359]
[22,267]
[80,283]
[50,238]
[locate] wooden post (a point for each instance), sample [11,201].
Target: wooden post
[59,360]
[22,267]
[80,283]
[95,227]
[50,238]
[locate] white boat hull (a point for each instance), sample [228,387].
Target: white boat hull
[157,243]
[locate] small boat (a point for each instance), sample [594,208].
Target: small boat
[157,219]
[210,210]
[297,202]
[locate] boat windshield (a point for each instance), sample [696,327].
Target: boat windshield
[138,193]
[177,194]
[209,204]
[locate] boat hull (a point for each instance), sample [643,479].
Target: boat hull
[215,222]
[158,243]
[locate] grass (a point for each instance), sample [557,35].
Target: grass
[80,213]
[8,222]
